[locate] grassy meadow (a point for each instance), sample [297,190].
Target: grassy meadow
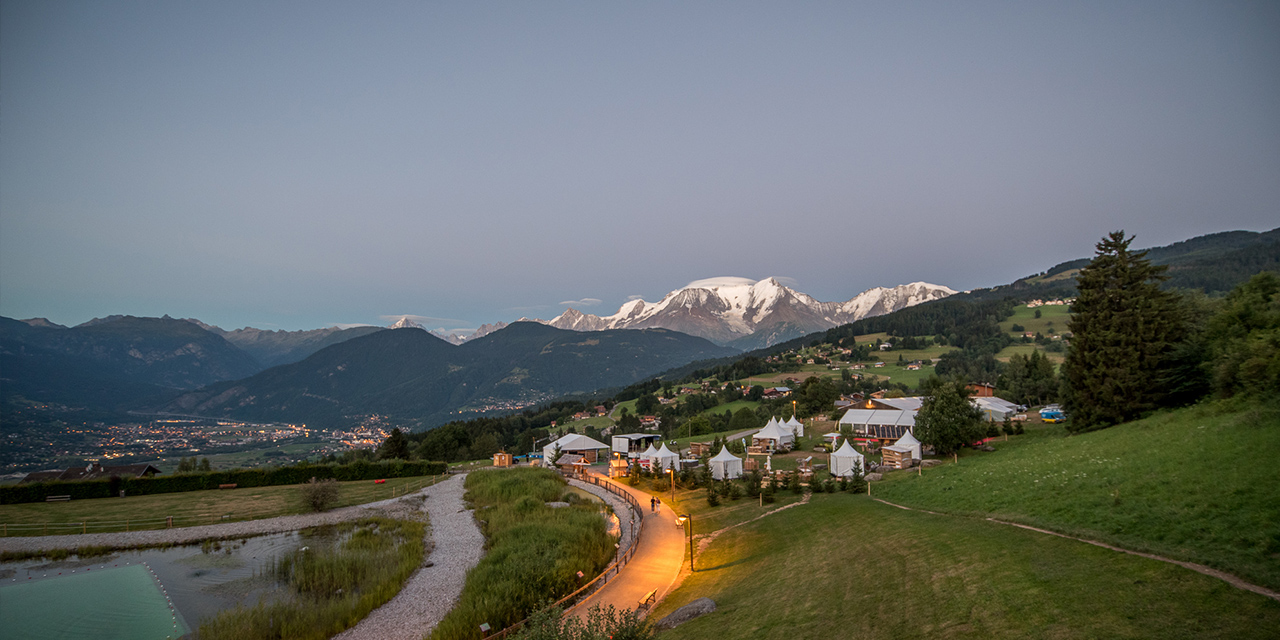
[188,508]
[343,573]
[844,566]
[1193,484]
[533,552]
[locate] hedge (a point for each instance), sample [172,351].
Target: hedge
[297,474]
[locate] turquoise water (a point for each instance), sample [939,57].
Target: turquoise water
[104,597]
[114,602]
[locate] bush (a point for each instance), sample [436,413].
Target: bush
[712,498]
[320,495]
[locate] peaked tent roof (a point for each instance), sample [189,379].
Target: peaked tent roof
[846,451]
[792,422]
[907,440]
[650,452]
[772,431]
[725,456]
[664,452]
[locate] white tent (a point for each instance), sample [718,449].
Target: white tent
[725,465]
[649,454]
[907,443]
[665,458]
[774,431]
[845,460]
[796,426]
[572,442]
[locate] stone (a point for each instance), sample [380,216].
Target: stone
[986,447]
[930,463]
[697,608]
[557,505]
[874,477]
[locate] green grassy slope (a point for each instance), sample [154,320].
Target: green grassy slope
[846,567]
[1195,484]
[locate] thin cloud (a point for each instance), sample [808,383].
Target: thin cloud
[539,307]
[585,302]
[635,297]
[350,325]
[790,282]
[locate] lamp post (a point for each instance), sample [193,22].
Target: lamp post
[687,520]
[672,471]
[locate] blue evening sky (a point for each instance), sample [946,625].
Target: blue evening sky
[301,164]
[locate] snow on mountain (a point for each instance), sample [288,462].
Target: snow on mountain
[725,309]
[406,323]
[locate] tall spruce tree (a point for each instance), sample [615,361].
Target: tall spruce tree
[1124,330]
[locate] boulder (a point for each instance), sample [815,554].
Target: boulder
[873,477]
[699,607]
[930,463]
[986,447]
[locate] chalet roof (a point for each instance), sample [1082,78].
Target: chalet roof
[570,458]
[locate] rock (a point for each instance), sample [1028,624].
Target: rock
[986,447]
[699,607]
[557,505]
[930,463]
[873,477]
[428,564]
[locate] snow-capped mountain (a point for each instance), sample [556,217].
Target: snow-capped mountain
[749,313]
[406,323]
[459,337]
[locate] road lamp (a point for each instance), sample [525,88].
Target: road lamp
[672,471]
[687,520]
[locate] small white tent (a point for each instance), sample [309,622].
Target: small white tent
[845,460]
[649,454]
[725,465]
[796,426]
[907,446]
[665,458]
[774,431]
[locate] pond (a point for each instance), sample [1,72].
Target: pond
[149,593]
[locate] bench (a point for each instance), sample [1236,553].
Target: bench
[227,486]
[57,498]
[647,600]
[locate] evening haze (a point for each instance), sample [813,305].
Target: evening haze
[297,165]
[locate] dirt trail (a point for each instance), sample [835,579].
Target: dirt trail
[1198,568]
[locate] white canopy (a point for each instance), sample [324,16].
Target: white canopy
[725,465]
[796,426]
[774,431]
[845,460]
[649,453]
[572,442]
[908,442]
[665,458]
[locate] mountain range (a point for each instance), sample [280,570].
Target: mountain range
[748,314]
[415,377]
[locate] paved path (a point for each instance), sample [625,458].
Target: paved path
[435,588]
[654,567]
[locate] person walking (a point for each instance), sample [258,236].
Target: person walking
[651,504]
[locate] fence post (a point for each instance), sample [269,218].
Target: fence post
[168,522]
[84,527]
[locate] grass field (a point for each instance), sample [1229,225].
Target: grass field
[1192,484]
[1055,314]
[188,508]
[731,407]
[1025,349]
[844,566]
[894,373]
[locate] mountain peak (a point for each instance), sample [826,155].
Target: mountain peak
[405,323]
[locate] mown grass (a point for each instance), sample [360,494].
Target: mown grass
[534,552]
[706,518]
[844,566]
[189,508]
[1058,315]
[1194,484]
[341,574]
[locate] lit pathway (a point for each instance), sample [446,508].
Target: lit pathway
[654,567]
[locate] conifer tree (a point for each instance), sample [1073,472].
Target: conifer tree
[1124,329]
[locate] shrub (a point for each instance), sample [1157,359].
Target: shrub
[320,495]
[712,498]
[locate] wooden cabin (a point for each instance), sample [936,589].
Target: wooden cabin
[503,459]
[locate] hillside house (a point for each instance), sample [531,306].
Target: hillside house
[981,389]
[93,471]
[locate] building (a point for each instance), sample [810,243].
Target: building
[503,459]
[981,389]
[587,448]
[631,445]
[93,471]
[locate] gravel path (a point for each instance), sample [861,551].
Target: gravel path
[620,508]
[434,589]
[188,535]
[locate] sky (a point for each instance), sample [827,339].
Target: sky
[295,165]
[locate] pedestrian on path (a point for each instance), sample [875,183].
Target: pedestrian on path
[651,505]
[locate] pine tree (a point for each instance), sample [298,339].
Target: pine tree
[1124,330]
